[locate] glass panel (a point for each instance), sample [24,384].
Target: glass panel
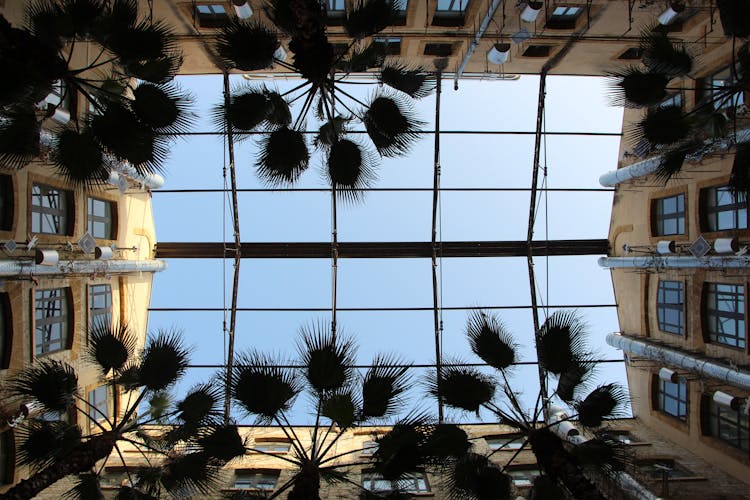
[48,210]
[50,320]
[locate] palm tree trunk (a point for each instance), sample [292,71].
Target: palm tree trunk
[560,465]
[82,459]
[307,484]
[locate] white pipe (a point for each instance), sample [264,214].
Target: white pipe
[683,360]
[475,42]
[19,268]
[673,262]
[648,166]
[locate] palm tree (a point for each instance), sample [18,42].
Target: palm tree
[266,388]
[563,354]
[387,115]
[667,129]
[56,449]
[126,121]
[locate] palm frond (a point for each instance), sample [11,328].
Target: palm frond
[490,340]
[634,88]
[372,56]
[369,17]
[158,70]
[45,20]
[464,388]
[735,17]
[351,168]
[473,476]
[661,55]
[573,380]
[739,182]
[415,82]
[86,487]
[130,493]
[602,454]
[164,361]
[121,15]
[110,347]
[247,109]
[327,359]
[671,162]
[246,45]
[383,387]
[19,138]
[445,442]
[146,41]
[331,131]
[606,401]
[283,157]
[201,405]
[52,383]
[341,407]
[222,443]
[545,488]
[190,474]
[82,17]
[261,387]
[43,442]
[79,159]
[279,114]
[561,344]
[400,450]
[165,108]
[663,126]
[391,124]
[158,404]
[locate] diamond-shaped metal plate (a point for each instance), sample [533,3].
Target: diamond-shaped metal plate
[700,247]
[520,36]
[10,246]
[87,243]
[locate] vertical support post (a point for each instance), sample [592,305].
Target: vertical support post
[440,65]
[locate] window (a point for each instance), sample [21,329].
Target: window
[50,210]
[51,325]
[717,94]
[450,13]
[336,11]
[99,409]
[438,49]
[725,314]
[390,45]
[624,437]
[537,51]
[670,306]
[672,398]
[722,211]
[410,483]
[6,331]
[212,15]
[101,215]
[669,215]
[276,446]
[511,442]
[660,468]
[100,304]
[632,53]
[672,100]
[563,17]
[369,447]
[256,479]
[523,477]
[731,426]
[6,202]
[7,457]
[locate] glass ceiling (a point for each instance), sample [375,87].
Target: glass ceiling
[386,304]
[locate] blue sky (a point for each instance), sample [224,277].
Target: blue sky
[574,104]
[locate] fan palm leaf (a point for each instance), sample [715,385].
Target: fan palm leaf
[279,114]
[52,383]
[327,359]
[350,169]
[490,340]
[281,14]
[246,45]
[261,387]
[162,107]
[383,387]
[739,182]
[661,55]
[86,487]
[560,343]
[545,488]
[19,138]
[372,56]
[413,81]
[391,124]
[473,476]
[283,157]
[400,450]
[247,109]
[164,360]
[158,70]
[735,17]
[464,388]
[130,493]
[606,401]
[635,88]
[146,41]
[79,159]
[341,407]
[671,162]
[445,442]
[190,474]
[43,442]
[201,405]
[110,346]
[331,131]
[222,443]
[602,454]
[369,17]
[83,17]
[573,380]
[121,15]
[663,126]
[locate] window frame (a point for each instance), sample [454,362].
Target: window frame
[109,219]
[94,291]
[66,313]
[537,50]
[717,417]
[8,469]
[273,446]
[417,479]
[38,213]
[659,216]
[713,315]
[94,399]
[7,202]
[254,479]
[211,19]
[712,208]
[564,20]
[664,290]
[681,398]
[6,330]
[729,103]
[439,49]
[454,15]
[391,44]
[512,441]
